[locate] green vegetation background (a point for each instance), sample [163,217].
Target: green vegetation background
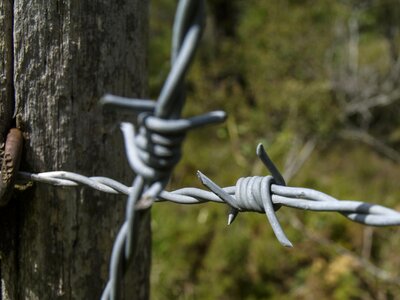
[285,74]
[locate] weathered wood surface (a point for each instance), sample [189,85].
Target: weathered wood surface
[6,68]
[56,242]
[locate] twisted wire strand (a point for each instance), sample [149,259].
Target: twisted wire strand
[154,147]
[244,197]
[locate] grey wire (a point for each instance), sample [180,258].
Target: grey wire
[154,148]
[294,197]
[141,105]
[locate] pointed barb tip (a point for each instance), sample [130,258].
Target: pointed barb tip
[231,217]
[260,149]
[287,244]
[263,156]
[233,212]
[200,176]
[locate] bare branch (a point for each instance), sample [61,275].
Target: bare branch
[295,159]
[364,105]
[366,264]
[365,137]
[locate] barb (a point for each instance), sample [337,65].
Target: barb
[154,148]
[251,194]
[248,195]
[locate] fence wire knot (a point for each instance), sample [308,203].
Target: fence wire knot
[253,194]
[155,148]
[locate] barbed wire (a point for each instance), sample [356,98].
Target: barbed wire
[250,194]
[153,148]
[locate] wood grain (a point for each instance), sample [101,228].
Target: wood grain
[6,68]
[67,54]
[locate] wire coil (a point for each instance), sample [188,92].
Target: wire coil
[156,148]
[249,193]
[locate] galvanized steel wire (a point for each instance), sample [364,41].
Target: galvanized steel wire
[295,197]
[155,147]
[262,194]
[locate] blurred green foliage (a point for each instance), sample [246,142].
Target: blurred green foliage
[272,66]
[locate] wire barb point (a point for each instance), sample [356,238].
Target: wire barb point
[233,212]
[262,154]
[213,187]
